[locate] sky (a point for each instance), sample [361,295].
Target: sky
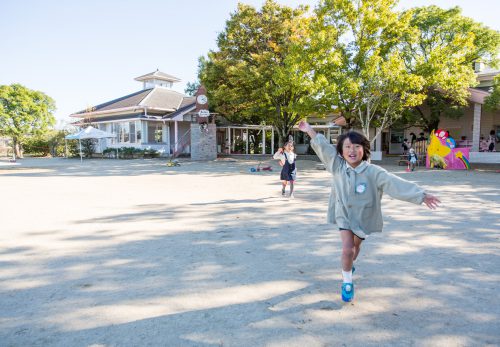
[83,53]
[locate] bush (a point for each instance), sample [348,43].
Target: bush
[151,153]
[52,143]
[37,146]
[73,149]
[109,152]
[127,152]
[138,153]
[88,147]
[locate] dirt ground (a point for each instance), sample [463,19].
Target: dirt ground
[133,253]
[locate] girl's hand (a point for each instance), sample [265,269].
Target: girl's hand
[304,126]
[431,201]
[280,150]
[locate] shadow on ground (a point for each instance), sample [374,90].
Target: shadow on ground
[260,272]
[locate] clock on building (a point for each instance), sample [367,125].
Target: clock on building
[201,99]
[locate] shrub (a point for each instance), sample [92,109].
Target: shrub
[151,153]
[88,147]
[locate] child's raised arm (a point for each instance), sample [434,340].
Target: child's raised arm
[325,151]
[306,127]
[278,154]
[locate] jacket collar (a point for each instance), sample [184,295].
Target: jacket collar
[358,169]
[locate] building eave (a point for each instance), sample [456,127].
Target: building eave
[121,110]
[477,96]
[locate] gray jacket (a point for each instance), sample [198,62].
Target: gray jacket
[355,199]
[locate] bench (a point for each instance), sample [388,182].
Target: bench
[403,159]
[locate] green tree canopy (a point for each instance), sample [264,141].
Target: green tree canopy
[492,102]
[257,74]
[191,88]
[446,46]
[359,63]
[24,112]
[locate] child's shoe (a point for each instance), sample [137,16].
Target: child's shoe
[347,292]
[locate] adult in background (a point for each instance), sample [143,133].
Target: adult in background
[413,139]
[421,137]
[492,139]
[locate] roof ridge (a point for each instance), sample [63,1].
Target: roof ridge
[104,104]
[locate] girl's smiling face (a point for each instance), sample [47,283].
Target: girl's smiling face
[288,147]
[352,152]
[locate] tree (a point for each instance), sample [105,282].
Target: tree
[191,88]
[257,74]
[359,64]
[446,46]
[24,112]
[492,102]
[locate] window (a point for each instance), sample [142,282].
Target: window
[397,136]
[138,131]
[155,133]
[132,132]
[124,132]
[158,134]
[115,129]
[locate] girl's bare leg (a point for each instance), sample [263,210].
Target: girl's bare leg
[348,249]
[357,246]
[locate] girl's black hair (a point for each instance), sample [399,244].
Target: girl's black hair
[355,138]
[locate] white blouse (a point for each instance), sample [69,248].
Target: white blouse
[281,156]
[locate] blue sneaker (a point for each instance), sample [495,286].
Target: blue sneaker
[347,292]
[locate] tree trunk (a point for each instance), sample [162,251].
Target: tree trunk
[280,139]
[18,150]
[432,124]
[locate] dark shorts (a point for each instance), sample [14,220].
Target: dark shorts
[361,238]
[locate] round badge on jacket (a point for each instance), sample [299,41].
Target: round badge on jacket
[361,188]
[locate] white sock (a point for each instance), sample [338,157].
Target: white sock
[347,276]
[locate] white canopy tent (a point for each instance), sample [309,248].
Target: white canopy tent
[88,133]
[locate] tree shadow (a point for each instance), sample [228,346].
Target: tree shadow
[260,271]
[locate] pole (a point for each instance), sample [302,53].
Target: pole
[272,140]
[81,158]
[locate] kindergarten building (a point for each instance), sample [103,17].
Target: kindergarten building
[150,118]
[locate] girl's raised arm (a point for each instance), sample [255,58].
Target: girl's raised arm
[306,127]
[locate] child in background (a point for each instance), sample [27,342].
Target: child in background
[412,158]
[405,146]
[288,171]
[359,186]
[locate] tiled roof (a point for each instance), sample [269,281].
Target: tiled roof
[159,76]
[163,98]
[188,107]
[477,95]
[188,100]
[133,99]
[158,97]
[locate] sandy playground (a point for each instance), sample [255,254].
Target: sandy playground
[132,253]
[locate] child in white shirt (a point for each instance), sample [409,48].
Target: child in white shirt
[288,170]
